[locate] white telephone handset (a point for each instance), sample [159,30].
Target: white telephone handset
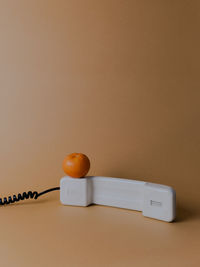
[154,200]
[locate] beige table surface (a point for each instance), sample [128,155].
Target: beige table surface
[46,233]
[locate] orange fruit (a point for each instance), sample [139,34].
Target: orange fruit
[76,165]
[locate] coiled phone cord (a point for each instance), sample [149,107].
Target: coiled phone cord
[25,195]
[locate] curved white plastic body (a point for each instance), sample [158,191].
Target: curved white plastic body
[154,200]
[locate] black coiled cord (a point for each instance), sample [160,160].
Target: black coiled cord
[25,195]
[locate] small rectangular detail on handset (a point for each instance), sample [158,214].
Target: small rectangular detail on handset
[155,203]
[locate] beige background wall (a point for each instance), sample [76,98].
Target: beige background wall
[117,80]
